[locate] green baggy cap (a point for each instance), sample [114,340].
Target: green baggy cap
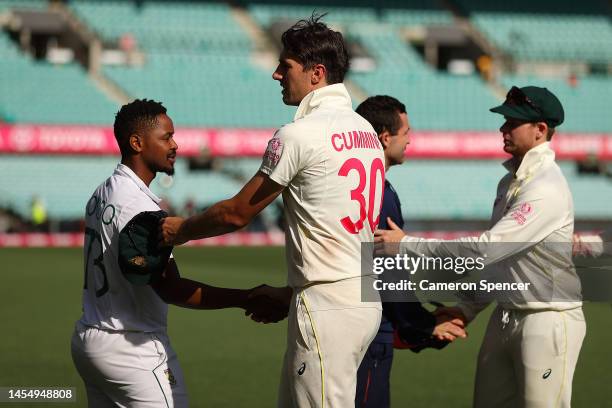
[141,259]
[532,104]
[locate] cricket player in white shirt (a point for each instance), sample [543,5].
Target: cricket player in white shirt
[120,346]
[329,166]
[531,348]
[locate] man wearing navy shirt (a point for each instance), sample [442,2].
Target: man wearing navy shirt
[414,326]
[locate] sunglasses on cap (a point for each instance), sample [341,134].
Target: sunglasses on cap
[517,97]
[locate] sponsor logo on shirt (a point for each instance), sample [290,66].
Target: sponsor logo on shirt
[273,152]
[521,215]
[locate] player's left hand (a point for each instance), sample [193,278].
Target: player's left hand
[169,231]
[587,246]
[395,234]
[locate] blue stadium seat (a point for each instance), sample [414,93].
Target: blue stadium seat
[66,183]
[549,37]
[435,101]
[429,190]
[39,92]
[465,190]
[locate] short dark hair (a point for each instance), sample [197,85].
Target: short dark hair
[311,42]
[549,133]
[382,112]
[137,116]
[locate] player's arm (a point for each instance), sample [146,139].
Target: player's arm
[225,216]
[143,263]
[263,302]
[179,291]
[532,217]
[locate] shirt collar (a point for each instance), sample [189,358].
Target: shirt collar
[334,95]
[123,170]
[532,161]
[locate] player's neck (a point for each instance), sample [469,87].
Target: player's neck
[141,169]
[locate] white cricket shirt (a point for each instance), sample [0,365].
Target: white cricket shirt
[530,234]
[110,301]
[332,164]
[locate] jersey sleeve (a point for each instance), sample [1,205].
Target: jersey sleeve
[285,156]
[533,216]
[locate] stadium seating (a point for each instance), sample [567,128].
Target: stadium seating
[39,92]
[65,184]
[465,190]
[412,18]
[402,13]
[208,90]
[198,62]
[266,14]
[22,4]
[174,74]
[549,37]
[429,190]
[201,63]
[167,26]
[434,100]
[542,7]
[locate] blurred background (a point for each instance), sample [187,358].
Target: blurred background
[67,66]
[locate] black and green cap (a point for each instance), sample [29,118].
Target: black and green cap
[533,104]
[141,259]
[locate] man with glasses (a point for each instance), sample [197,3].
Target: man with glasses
[532,342]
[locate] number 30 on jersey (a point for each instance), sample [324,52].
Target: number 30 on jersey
[369,203]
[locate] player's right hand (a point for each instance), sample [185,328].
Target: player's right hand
[268,304]
[448,328]
[169,231]
[451,312]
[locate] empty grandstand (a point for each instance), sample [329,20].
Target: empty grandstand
[210,62]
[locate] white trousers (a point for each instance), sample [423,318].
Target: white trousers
[527,359]
[325,347]
[128,369]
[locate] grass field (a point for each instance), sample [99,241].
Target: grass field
[228,360]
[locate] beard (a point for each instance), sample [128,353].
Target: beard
[166,168]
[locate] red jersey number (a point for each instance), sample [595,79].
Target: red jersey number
[377,174]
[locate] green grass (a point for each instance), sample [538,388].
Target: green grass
[228,360]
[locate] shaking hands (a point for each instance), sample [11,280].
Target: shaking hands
[268,304]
